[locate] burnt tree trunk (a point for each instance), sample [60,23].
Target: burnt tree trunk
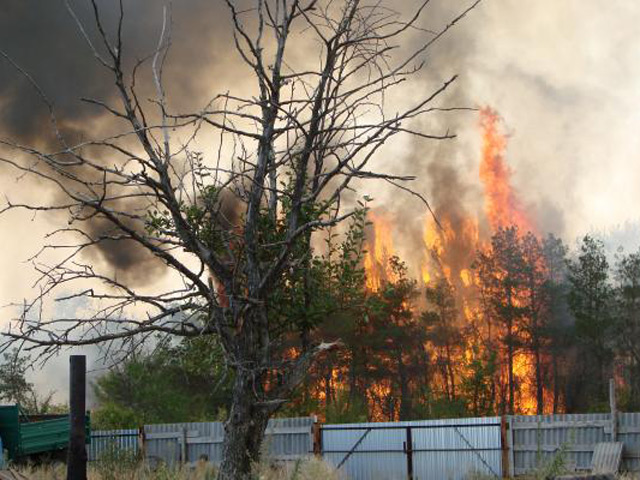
[539,382]
[556,383]
[452,377]
[406,401]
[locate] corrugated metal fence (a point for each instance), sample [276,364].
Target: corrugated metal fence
[112,442]
[431,449]
[286,439]
[533,440]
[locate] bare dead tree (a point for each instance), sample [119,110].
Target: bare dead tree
[232,226]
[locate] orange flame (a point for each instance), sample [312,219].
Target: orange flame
[502,206]
[380,250]
[450,247]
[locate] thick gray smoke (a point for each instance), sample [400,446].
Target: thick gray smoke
[562,75]
[43,39]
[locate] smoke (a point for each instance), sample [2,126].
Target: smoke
[561,76]
[43,38]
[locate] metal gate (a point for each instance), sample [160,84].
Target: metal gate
[434,449]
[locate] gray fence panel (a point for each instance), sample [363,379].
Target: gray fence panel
[447,449]
[629,434]
[109,442]
[289,438]
[286,439]
[537,439]
[168,442]
[460,447]
[378,455]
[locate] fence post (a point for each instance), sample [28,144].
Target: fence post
[183,446]
[504,426]
[614,410]
[142,443]
[317,439]
[508,447]
[77,454]
[409,452]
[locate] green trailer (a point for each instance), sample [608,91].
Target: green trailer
[25,437]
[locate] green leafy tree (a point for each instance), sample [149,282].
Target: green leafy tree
[478,387]
[173,383]
[537,302]
[235,227]
[627,328]
[395,344]
[591,301]
[15,388]
[559,323]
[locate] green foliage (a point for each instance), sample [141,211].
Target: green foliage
[591,295]
[553,465]
[174,383]
[627,326]
[591,298]
[14,387]
[346,408]
[477,386]
[204,219]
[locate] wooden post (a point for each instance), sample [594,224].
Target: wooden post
[614,410]
[77,456]
[504,426]
[142,444]
[317,439]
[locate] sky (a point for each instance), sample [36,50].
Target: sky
[563,75]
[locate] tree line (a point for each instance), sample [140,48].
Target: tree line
[543,332]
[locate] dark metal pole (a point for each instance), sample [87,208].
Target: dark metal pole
[409,451]
[77,459]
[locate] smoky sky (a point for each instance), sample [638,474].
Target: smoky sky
[44,40]
[42,37]
[563,76]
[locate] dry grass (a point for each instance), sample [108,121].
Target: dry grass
[308,469]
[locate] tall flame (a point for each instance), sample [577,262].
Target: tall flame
[502,205]
[379,251]
[450,247]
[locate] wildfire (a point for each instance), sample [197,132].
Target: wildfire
[523,370]
[379,251]
[502,206]
[450,246]
[449,250]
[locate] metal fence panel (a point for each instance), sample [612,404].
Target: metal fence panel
[457,448]
[442,449]
[537,439]
[629,434]
[378,454]
[109,442]
[286,439]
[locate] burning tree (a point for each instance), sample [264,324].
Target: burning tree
[235,229]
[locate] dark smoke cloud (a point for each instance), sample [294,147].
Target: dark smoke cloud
[44,40]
